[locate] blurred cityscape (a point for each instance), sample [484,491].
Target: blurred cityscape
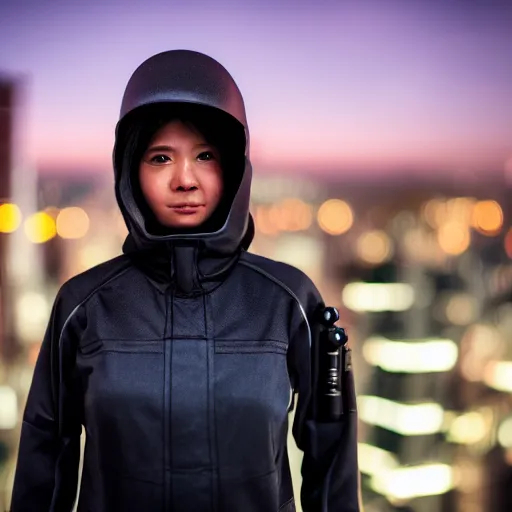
[420,269]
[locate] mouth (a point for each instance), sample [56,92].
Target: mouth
[186,208]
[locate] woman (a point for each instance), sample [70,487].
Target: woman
[180,357]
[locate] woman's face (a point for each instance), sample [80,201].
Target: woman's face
[181,176]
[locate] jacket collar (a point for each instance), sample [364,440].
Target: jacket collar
[188,269]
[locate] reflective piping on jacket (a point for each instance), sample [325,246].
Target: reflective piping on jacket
[68,319]
[290,292]
[286,288]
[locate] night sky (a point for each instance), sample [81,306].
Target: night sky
[330,86]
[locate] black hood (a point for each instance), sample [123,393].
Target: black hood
[171,82]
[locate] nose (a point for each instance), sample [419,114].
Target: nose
[183,178]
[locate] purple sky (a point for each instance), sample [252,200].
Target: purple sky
[374,85]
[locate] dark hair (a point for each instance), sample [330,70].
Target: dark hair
[218,128]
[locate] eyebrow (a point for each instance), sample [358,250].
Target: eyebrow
[163,147]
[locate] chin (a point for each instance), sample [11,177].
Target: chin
[191,221]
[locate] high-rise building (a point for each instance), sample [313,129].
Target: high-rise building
[7,89]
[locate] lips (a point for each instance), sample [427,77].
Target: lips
[186,208]
[186,205]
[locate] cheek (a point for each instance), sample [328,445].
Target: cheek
[150,186]
[214,186]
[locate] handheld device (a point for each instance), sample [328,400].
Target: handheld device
[333,361]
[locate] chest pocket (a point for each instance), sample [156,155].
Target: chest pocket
[97,346]
[251,347]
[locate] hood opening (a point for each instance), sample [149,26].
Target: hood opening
[218,128]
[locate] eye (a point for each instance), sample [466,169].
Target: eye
[206,155]
[159,159]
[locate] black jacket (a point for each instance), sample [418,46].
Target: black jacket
[180,357]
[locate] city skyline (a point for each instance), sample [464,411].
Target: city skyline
[368,87]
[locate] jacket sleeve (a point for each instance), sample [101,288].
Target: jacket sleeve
[330,473]
[47,467]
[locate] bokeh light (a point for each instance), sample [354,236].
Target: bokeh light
[72,223]
[505,433]
[287,215]
[487,217]
[480,344]
[10,218]
[498,375]
[436,212]
[468,428]
[40,227]
[453,238]
[460,209]
[335,217]
[374,247]
[433,212]
[295,215]
[31,315]
[263,222]
[9,410]
[461,309]
[360,296]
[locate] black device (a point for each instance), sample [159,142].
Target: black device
[333,365]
